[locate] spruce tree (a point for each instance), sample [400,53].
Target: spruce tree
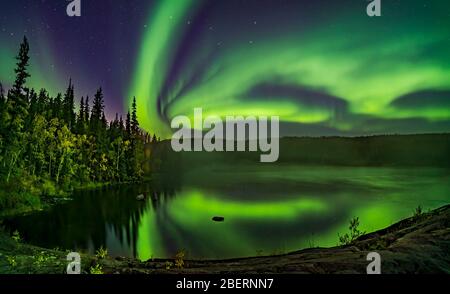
[116,120]
[81,110]
[104,121]
[33,109]
[43,101]
[116,123]
[87,111]
[57,107]
[21,69]
[121,125]
[134,120]
[97,112]
[2,117]
[2,95]
[69,106]
[80,118]
[98,106]
[128,124]
[18,110]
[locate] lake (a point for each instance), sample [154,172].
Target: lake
[268,209]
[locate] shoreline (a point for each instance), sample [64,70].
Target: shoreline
[48,201]
[417,244]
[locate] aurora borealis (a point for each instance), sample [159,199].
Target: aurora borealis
[324,67]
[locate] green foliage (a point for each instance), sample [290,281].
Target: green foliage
[168,265]
[96,269]
[46,149]
[11,261]
[179,259]
[13,196]
[16,236]
[311,242]
[101,253]
[49,188]
[353,234]
[418,212]
[42,258]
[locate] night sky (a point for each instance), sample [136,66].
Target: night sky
[324,67]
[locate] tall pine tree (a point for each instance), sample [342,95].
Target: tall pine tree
[69,106]
[33,109]
[87,111]
[18,99]
[2,118]
[80,118]
[18,110]
[21,69]
[128,124]
[57,107]
[134,120]
[2,95]
[43,102]
[97,112]
[121,125]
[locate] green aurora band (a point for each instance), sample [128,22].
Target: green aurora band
[364,63]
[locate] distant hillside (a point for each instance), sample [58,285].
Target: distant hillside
[402,150]
[391,150]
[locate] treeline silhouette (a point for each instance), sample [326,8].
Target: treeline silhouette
[389,150]
[419,150]
[47,148]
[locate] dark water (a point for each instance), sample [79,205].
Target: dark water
[267,210]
